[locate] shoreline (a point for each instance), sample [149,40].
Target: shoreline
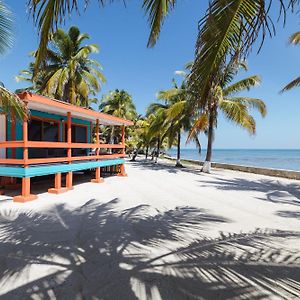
[289,174]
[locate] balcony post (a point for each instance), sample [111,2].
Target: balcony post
[122,171]
[98,178]
[97,137]
[69,176]
[25,140]
[25,196]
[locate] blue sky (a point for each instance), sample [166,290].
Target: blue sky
[122,34]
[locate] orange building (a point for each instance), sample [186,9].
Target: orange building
[57,138]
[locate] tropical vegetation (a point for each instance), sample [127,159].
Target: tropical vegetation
[173,115]
[294,40]
[224,97]
[118,103]
[68,72]
[9,102]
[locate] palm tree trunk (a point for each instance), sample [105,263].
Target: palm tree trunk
[72,93]
[178,163]
[135,154]
[207,163]
[152,154]
[158,149]
[147,152]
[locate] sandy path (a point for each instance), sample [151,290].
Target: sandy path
[160,233]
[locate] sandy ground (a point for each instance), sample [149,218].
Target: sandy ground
[160,233]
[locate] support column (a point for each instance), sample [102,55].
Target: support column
[98,178]
[69,177]
[25,196]
[122,171]
[58,189]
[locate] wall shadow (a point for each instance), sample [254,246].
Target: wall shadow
[97,251]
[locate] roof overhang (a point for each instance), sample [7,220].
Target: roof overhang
[41,103]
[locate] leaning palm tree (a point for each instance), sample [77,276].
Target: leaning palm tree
[295,40]
[178,115]
[224,97]
[68,73]
[9,102]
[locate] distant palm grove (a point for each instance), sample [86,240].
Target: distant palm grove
[63,68]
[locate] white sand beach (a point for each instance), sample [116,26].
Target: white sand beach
[160,233]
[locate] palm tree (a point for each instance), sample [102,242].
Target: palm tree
[68,73]
[178,115]
[223,25]
[10,103]
[224,97]
[140,137]
[295,40]
[120,104]
[159,129]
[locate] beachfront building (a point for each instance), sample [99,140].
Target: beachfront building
[57,138]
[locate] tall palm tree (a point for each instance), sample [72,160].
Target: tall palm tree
[120,104]
[9,102]
[295,40]
[224,97]
[178,115]
[158,127]
[68,72]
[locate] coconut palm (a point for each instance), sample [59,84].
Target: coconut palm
[140,137]
[224,24]
[178,116]
[9,102]
[295,40]
[159,129]
[120,104]
[68,73]
[224,97]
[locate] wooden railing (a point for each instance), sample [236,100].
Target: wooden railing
[60,145]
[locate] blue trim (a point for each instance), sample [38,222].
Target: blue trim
[41,170]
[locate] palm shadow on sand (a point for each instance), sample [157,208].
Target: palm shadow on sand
[99,252]
[274,190]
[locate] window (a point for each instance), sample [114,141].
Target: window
[40,130]
[79,134]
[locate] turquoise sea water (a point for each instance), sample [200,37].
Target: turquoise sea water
[271,158]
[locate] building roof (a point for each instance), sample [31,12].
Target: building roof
[41,103]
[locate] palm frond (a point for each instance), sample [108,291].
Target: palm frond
[6,28]
[295,38]
[168,94]
[291,85]
[10,103]
[200,125]
[238,113]
[157,10]
[244,84]
[229,27]
[154,107]
[252,103]
[175,110]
